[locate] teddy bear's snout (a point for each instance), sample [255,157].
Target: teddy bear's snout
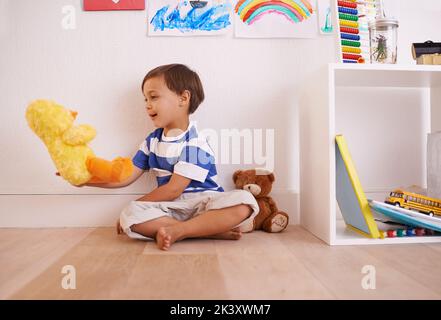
[253,188]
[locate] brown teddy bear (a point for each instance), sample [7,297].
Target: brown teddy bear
[259,182]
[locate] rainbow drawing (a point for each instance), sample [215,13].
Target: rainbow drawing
[296,11]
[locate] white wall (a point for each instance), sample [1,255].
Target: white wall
[97,70]
[419,21]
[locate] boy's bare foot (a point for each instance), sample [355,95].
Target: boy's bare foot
[119,230]
[234,234]
[166,236]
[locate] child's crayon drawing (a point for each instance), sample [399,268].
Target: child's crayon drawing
[325,17]
[178,18]
[276,19]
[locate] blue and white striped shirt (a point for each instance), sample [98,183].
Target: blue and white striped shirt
[188,155]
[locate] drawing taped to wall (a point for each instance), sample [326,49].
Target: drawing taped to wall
[189,18]
[275,19]
[325,17]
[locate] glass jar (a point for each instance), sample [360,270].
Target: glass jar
[383,40]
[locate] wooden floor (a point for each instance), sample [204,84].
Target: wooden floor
[290,265]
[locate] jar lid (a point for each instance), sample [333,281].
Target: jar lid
[383,22]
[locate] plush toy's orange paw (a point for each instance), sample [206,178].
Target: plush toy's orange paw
[122,168]
[95,180]
[104,171]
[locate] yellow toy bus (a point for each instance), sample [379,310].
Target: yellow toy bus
[413,201]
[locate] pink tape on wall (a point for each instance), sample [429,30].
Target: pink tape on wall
[105,5]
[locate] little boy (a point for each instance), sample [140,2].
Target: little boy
[189,202]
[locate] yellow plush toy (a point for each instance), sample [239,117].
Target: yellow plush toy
[67,145]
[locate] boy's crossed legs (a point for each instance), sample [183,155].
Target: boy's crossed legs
[217,223]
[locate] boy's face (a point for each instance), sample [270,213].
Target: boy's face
[163,105]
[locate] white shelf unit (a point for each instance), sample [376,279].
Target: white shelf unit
[380,109]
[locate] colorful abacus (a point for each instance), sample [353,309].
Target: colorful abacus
[399,233]
[354,36]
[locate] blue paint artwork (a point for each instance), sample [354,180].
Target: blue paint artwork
[209,18]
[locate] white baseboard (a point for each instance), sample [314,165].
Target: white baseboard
[47,211]
[80,210]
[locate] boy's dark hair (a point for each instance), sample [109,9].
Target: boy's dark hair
[179,78]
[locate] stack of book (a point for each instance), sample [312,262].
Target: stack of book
[401,222]
[377,219]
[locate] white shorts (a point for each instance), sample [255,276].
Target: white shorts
[185,207]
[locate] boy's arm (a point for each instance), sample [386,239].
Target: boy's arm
[169,191]
[137,172]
